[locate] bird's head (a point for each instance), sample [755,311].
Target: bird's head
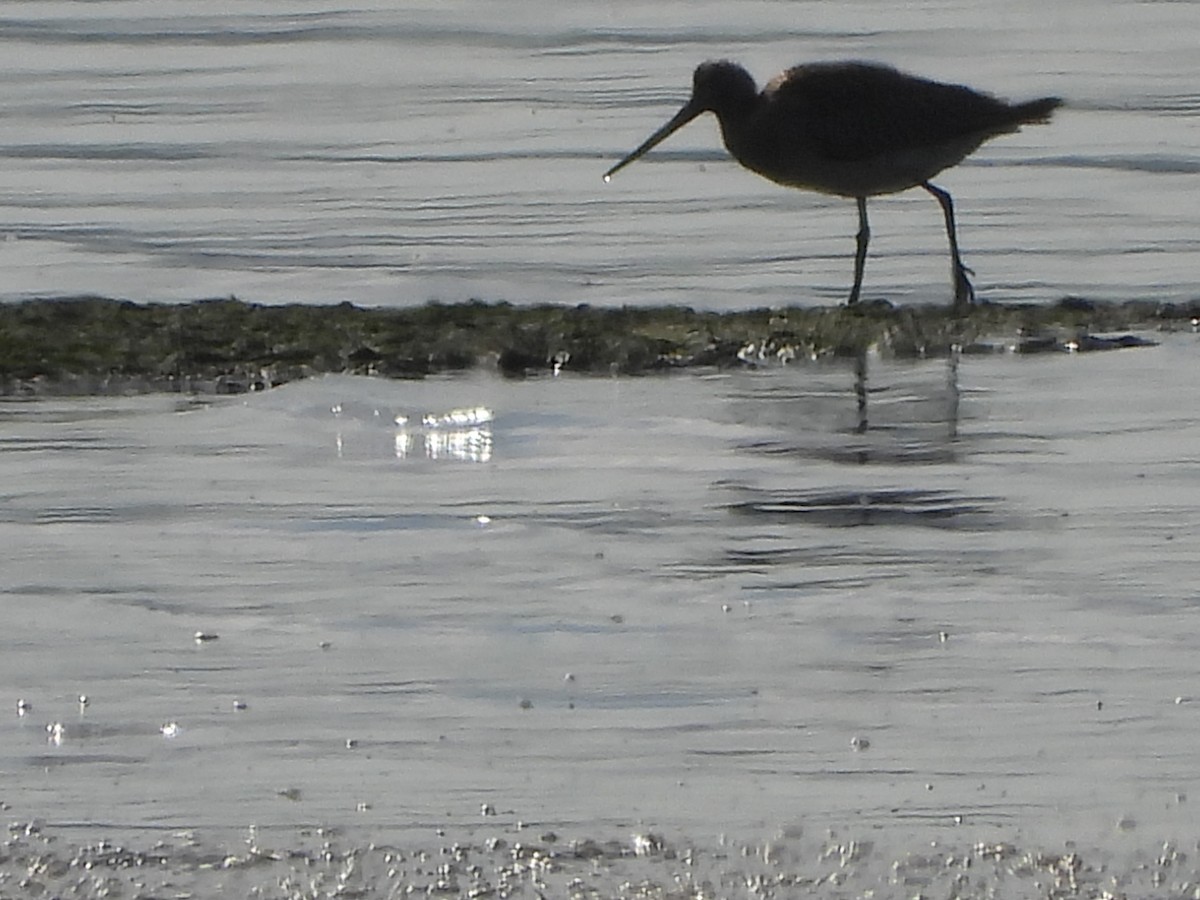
[721,87]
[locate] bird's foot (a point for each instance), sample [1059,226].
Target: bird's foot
[964,291]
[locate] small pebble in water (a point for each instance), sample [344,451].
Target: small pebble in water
[203,637]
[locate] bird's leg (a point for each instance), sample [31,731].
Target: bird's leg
[964,291]
[860,253]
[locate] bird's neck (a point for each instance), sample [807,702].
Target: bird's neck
[734,122]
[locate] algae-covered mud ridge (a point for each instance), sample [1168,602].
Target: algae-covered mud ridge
[95,345]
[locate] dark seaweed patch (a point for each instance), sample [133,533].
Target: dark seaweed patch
[88,345]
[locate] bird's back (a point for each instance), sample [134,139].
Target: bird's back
[859,129]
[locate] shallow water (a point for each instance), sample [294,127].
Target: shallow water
[698,606]
[384,154]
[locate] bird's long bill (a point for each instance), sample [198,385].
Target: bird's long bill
[680,119]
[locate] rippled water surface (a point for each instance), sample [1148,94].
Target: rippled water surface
[390,153]
[703,605]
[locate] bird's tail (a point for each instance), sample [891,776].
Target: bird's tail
[1036,112]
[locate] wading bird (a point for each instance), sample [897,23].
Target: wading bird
[852,129]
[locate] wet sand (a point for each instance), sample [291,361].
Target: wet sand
[510,860]
[96,345]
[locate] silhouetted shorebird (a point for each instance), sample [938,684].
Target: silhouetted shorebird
[852,129]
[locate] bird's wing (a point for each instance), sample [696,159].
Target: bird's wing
[856,111]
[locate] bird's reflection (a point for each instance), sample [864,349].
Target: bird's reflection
[879,411]
[951,398]
[936,407]
[906,417]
